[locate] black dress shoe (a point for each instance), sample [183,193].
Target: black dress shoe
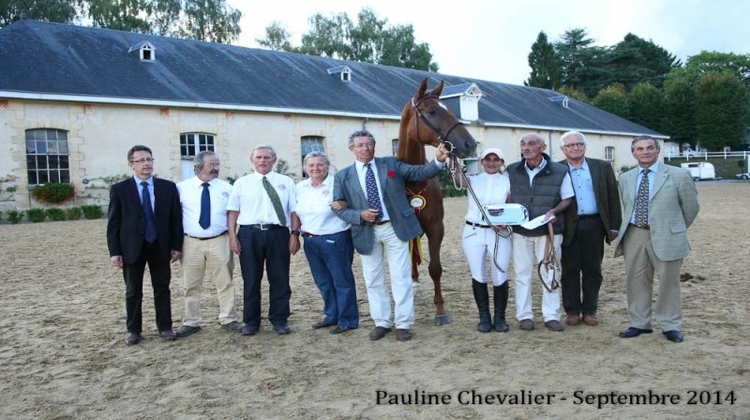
[340,329]
[322,324]
[132,339]
[635,332]
[187,330]
[675,336]
[249,329]
[281,329]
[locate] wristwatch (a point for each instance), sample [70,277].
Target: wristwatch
[295,232]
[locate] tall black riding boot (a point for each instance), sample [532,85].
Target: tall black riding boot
[501,302]
[482,297]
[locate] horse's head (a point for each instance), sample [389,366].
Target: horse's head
[435,123]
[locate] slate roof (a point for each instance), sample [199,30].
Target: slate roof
[59,59]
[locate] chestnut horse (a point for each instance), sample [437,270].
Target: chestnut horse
[426,120]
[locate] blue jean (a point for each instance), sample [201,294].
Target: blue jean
[330,258]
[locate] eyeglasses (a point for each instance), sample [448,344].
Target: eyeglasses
[364,146]
[573,145]
[142,161]
[213,165]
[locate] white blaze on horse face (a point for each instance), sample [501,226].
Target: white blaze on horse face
[442,105]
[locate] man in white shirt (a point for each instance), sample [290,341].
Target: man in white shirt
[263,204]
[205,251]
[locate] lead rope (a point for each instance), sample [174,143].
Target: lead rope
[460,182]
[549,262]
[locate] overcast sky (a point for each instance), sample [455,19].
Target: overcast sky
[491,39]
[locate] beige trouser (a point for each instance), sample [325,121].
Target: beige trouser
[207,258]
[640,266]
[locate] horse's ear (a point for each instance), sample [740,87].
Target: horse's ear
[438,89]
[422,89]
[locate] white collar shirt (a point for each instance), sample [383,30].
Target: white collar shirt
[191,194]
[361,173]
[251,200]
[314,208]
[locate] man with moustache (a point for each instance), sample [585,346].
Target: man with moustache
[144,226]
[544,188]
[592,218]
[262,205]
[660,202]
[205,251]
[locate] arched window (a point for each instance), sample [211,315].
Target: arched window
[311,144]
[47,156]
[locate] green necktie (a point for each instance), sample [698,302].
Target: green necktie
[275,200]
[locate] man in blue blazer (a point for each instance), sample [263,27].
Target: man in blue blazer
[145,226]
[653,237]
[383,223]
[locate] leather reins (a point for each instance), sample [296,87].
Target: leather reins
[549,261]
[443,137]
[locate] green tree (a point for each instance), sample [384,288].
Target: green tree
[205,20]
[712,61]
[581,61]
[721,110]
[62,11]
[648,106]
[575,94]
[635,60]
[370,40]
[545,67]
[680,97]
[613,99]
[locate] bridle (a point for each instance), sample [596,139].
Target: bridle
[443,137]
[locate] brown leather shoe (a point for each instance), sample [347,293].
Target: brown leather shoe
[590,319]
[526,324]
[403,335]
[378,333]
[572,320]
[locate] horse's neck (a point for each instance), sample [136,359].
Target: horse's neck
[410,151]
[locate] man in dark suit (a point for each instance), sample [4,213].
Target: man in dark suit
[592,218]
[145,226]
[660,202]
[383,223]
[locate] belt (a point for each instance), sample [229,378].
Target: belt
[380,223]
[207,238]
[263,226]
[587,216]
[647,227]
[478,225]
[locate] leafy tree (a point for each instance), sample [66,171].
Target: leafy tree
[680,124]
[581,61]
[370,40]
[635,60]
[62,11]
[712,61]
[545,67]
[277,38]
[721,111]
[613,99]
[648,107]
[205,20]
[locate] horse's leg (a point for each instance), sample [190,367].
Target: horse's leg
[435,268]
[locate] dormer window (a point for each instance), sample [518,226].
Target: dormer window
[468,96]
[344,72]
[145,49]
[560,98]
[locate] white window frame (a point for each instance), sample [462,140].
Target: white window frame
[47,147]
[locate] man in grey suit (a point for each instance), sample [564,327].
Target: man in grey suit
[383,223]
[660,203]
[592,218]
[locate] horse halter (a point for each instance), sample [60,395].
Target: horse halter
[443,137]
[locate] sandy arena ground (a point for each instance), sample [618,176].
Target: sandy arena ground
[63,324]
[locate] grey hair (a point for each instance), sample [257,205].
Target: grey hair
[200,160]
[578,134]
[317,154]
[360,133]
[644,137]
[264,146]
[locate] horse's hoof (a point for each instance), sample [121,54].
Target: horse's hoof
[443,319]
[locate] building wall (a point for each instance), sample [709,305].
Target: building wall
[99,136]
